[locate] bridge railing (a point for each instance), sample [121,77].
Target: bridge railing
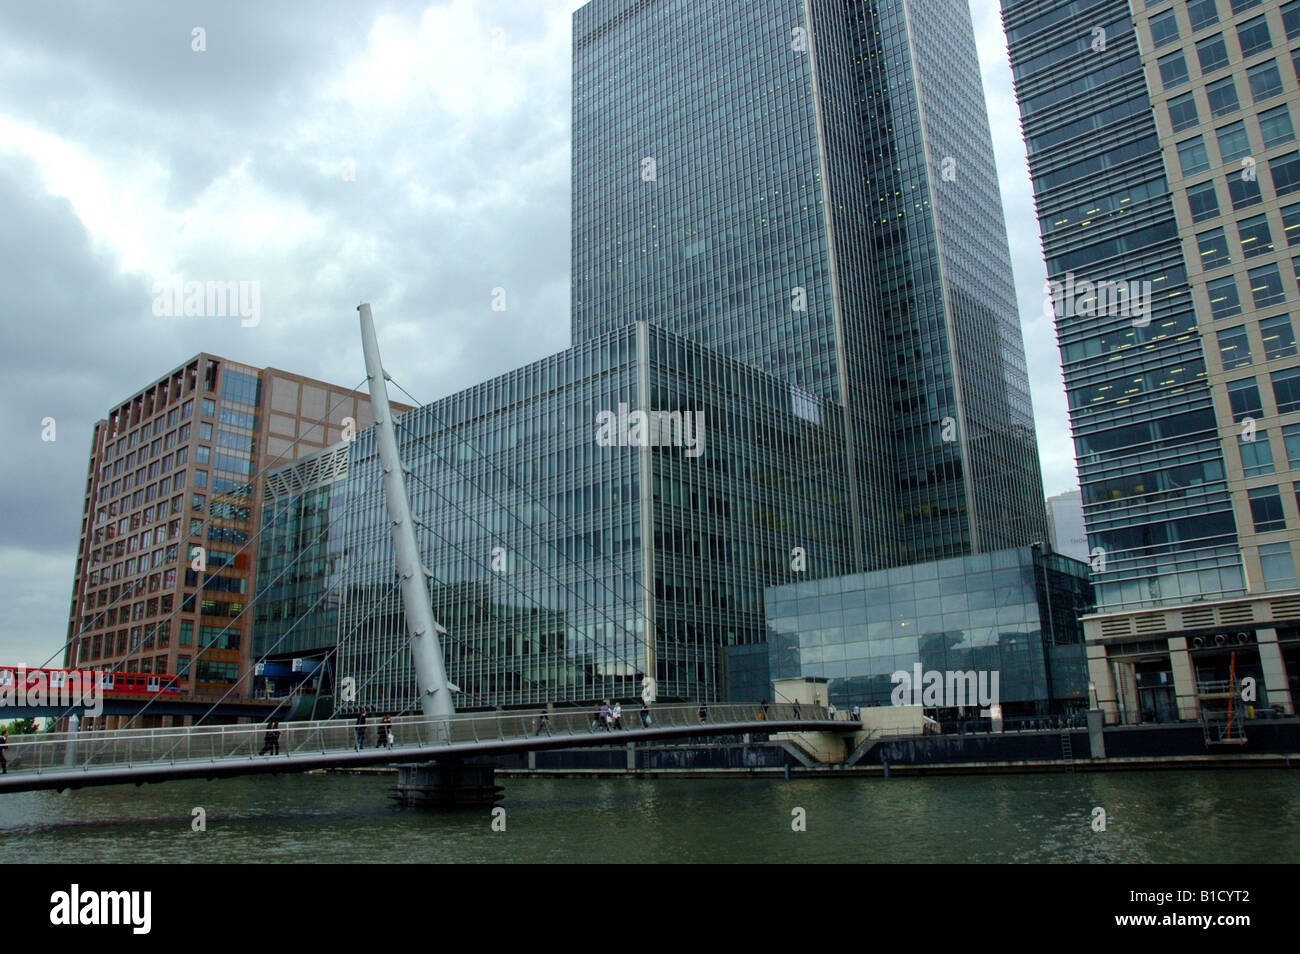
[128,748]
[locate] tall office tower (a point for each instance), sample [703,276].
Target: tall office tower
[1162,147]
[172,469]
[810,188]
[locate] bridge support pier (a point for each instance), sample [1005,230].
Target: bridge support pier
[442,785]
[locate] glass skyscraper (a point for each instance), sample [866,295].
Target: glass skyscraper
[565,562]
[785,219]
[810,188]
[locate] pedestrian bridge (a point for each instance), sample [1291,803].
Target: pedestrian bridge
[67,760]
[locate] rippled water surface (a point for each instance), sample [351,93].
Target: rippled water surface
[1203,816]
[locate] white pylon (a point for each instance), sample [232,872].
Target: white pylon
[426,650]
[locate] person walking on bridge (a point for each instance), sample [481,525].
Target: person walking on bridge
[271,741]
[361,730]
[606,715]
[645,716]
[384,736]
[4,747]
[544,723]
[618,714]
[704,712]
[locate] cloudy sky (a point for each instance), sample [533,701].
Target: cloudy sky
[415,156]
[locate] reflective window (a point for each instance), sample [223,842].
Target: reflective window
[1193,155]
[1182,112]
[1224,300]
[1275,126]
[1256,239]
[1204,201]
[1214,248]
[1233,141]
[1244,399]
[1222,96]
[1234,347]
[1266,509]
[1265,80]
[1256,457]
[1164,28]
[1278,337]
[1202,13]
[1173,69]
[1253,36]
[1266,285]
[1212,53]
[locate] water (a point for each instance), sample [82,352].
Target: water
[1198,816]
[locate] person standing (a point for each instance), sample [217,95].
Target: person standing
[618,714]
[361,730]
[704,712]
[797,713]
[606,716]
[4,747]
[763,714]
[645,716]
[385,735]
[544,723]
[271,741]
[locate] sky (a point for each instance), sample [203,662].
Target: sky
[412,155]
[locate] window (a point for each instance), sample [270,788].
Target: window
[1201,13]
[1256,458]
[1256,239]
[1266,285]
[209,407]
[1285,172]
[1275,126]
[1204,201]
[201,476]
[1278,337]
[1173,69]
[1233,141]
[1291,437]
[1266,509]
[205,432]
[1277,566]
[1239,5]
[1234,347]
[1164,29]
[1182,111]
[1222,95]
[1286,390]
[1291,19]
[1214,248]
[1265,80]
[1224,300]
[1193,156]
[1291,222]
[1212,53]
[202,454]
[1253,36]
[1243,398]
[1243,191]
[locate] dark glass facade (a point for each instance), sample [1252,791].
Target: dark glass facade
[1014,612]
[776,184]
[565,567]
[1155,495]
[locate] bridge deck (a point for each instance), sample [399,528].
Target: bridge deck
[76,760]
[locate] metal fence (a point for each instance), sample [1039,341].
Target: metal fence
[132,748]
